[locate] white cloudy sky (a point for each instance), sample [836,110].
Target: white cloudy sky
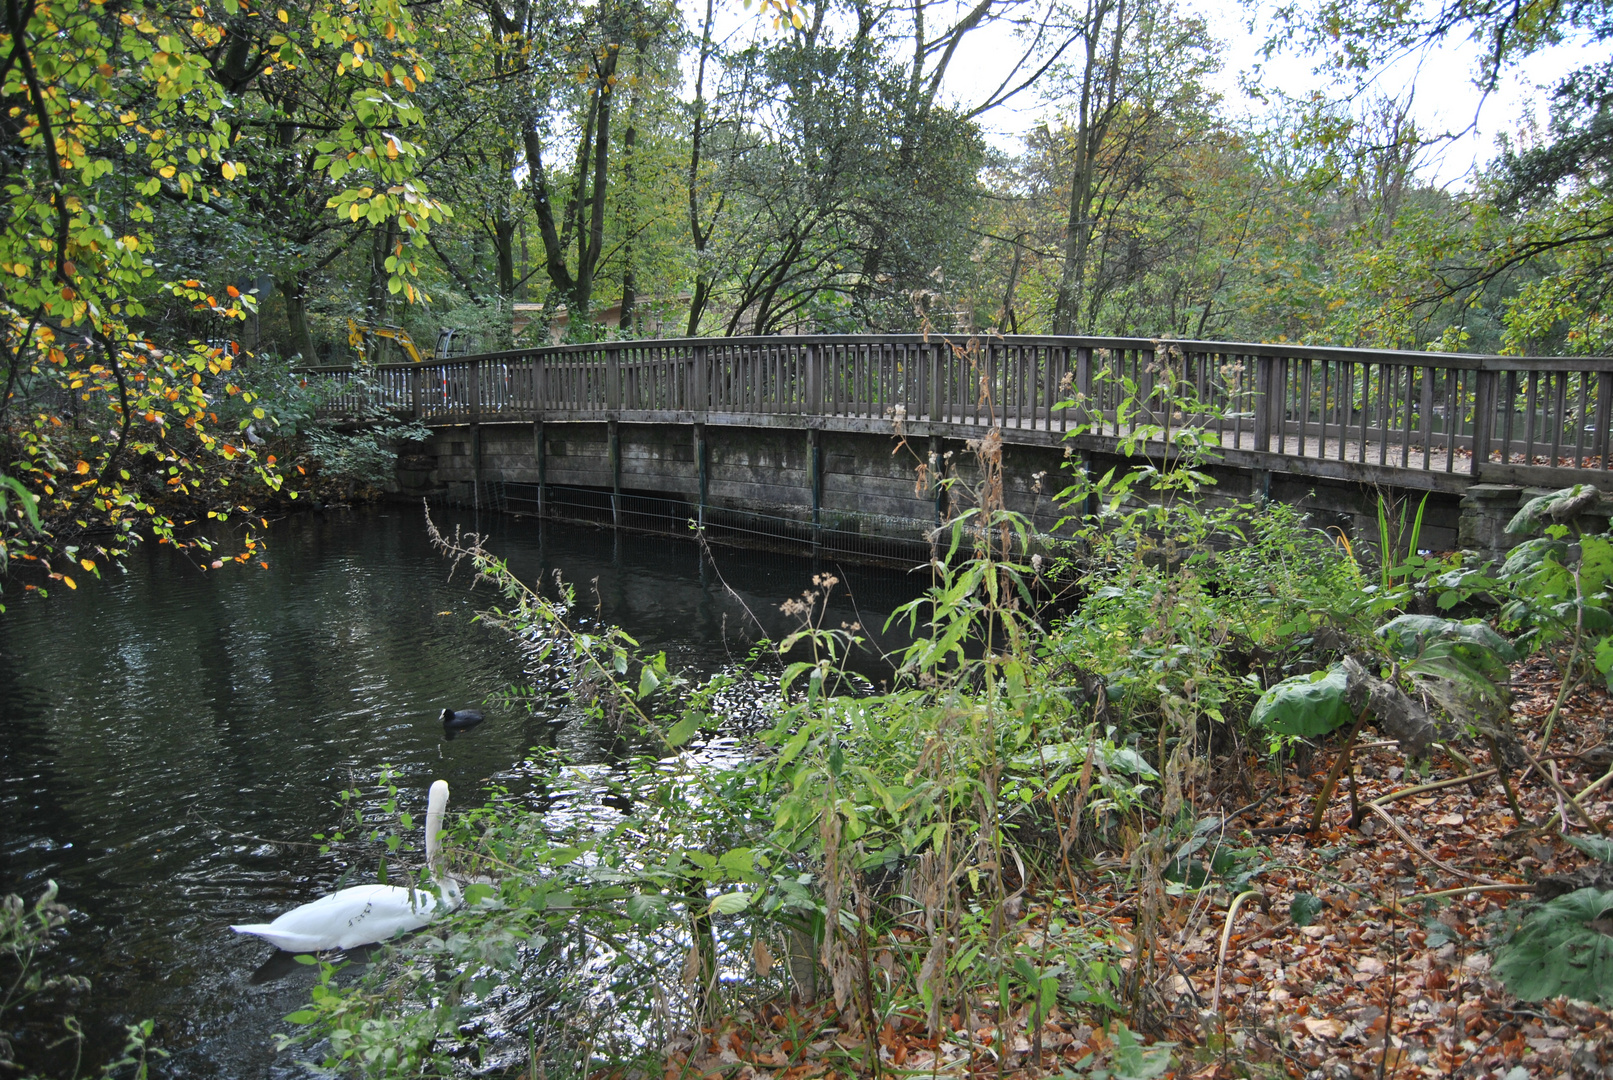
[1444,100]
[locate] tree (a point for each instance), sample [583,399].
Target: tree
[1535,230]
[92,398]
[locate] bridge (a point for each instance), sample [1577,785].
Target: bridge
[843,441]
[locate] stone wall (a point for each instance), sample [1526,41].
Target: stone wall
[866,477]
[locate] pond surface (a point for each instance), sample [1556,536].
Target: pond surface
[169,737]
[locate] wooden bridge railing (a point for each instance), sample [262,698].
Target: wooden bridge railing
[1432,420]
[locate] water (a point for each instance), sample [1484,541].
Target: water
[170,738]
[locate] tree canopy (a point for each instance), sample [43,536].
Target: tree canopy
[199,196]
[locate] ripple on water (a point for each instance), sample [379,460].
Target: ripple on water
[171,739]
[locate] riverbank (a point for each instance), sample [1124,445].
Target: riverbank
[1267,989]
[1115,842]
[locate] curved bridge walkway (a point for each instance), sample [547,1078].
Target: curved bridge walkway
[1310,418]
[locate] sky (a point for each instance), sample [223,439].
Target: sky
[1444,99]
[1441,81]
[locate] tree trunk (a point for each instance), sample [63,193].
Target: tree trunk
[379,301]
[1096,107]
[627,208]
[295,292]
[504,252]
[699,235]
[591,241]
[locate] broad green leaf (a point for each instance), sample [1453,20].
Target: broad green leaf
[648,680]
[1460,688]
[738,861]
[1409,633]
[646,908]
[1305,705]
[1563,505]
[685,728]
[793,748]
[729,903]
[1528,556]
[1564,947]
[1596,847]
[1304,908]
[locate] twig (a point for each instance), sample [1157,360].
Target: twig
[1389,1003]
[705,549]
[1552,780]
[1456,755]
[1335,772]
[1420,789]
[1562,811]
[1570,680]
[1593,787]
[1185,978]
[1503,771]
[1419,849]
[1226,936]
[1442,893]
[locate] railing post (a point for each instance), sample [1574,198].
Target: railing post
[540,386]
[813,406]
[1264,399]
[1425,407]
[937,372]
[1082,393]
[1483,417]
[1145,385]
[615,433]
[700,392]
[815,481]
[613,378]
[414,391]
[1604,417]
[473,370]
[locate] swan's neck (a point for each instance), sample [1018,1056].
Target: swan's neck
[436,805]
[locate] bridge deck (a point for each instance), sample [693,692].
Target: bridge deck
[1435,421]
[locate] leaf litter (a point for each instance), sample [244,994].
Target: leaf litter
[1363,954]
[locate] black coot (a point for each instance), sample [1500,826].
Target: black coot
[455,722]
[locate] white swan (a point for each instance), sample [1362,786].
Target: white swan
[366,914]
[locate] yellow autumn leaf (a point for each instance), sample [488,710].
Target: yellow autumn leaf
[228,170]
[166,172]
[69,582]
[87,564]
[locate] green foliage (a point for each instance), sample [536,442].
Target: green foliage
[125,124]
[1304,908]
[1596,847]
[1562,947]
[367,456]
[26,931]
[1305,705]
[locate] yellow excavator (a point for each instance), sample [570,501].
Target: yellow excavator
[361,336]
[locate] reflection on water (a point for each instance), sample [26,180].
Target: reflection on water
[170,739]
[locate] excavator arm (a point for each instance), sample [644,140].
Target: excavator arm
[358,336]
